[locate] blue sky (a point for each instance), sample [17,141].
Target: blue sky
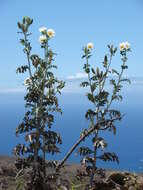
[76,22]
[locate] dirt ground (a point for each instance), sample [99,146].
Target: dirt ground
[74,175]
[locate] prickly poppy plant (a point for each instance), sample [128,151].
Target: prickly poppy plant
[41,102]
[101,115]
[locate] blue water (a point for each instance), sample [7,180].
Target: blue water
[128,142]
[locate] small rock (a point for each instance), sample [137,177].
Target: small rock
[3,184]
[132,188]
[140,179]
[8,171]
[117,178]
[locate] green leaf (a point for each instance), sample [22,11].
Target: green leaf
[84,84]
[93,87]
[97,71]
[85,151]
[105,58]
[93,71]
[22,41]
[124,67]
[118,88]
[126,80]
[115,50]
[107,156]
[105,63]
[89,114]
[22,69]
[113,128]
[94,78]
[87,70]
[115,71]
[24,20]
[113,82]
[90,97]
[61,85]
[20,26]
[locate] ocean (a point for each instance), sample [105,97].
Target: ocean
[127,143]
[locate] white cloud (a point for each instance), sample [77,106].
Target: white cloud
[77,76]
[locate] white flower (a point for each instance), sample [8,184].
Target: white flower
[42,39]
[27,81]
[43,30]
[124,46]
[127,45]
[90,46]
[50,33]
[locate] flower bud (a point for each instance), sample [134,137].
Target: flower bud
[43,30]
[43,39]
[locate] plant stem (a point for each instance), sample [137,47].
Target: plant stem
[82,138]
[28,57]
[45,73]
[92,124]
[115,91]
[30,74]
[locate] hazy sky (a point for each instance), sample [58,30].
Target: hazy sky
[76,22]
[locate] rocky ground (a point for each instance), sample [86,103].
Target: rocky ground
[73,177]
